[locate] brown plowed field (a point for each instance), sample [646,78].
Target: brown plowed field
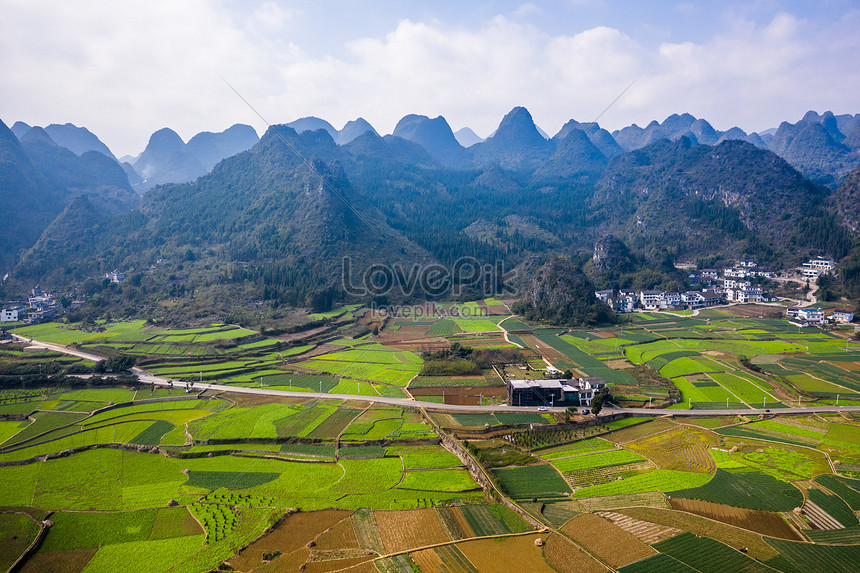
[609,542]
[565,557]
[764,522]
[292,534]
[508,554]
[428,560]
[402,530]
[341,536]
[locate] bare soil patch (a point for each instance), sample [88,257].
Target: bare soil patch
[566,557]
[292,534]
[509,554]
[407,529]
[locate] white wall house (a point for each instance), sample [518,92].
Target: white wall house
[9,315]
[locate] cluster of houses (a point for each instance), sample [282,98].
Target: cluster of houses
[628,300]
[734,286]
[554,392]
[39,306]
[809,316]
[816,267]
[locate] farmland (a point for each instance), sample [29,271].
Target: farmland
[339,484]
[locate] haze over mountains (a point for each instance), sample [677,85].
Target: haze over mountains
[678,188]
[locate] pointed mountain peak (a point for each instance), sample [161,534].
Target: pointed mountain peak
[353,129]
[434,135]
[466,137]
[19,128]
[519,126]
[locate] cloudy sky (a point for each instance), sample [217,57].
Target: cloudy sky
[125,69]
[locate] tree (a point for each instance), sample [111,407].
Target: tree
[567,375]
[375,331]
[597,404]
[120,362]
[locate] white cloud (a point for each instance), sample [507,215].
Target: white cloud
[127,69]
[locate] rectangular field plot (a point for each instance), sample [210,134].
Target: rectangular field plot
[540,482]
[657,480]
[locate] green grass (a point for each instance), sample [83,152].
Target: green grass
[81,529]
[148,556]
[449,480]
[476,325]
[420,457]
[16,534]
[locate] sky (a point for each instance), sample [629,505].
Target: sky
[126,69]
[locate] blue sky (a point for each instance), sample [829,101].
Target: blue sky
[126,69]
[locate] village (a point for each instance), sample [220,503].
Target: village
[732,285]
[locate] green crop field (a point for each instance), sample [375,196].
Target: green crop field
[834,505]
[443,327]
[452,480]
[657,480]
[707,555]
[747,489]
[818,558]
[532,482]
[603,459]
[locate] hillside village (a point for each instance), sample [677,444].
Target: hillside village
[731,285]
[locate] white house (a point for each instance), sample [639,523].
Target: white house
[672,298]
[9,315]
[652,299]
[747,263]
[811,315]
[115,276]
[841,316]
[736,273]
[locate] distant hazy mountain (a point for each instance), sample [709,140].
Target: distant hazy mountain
[19,128]
[466,137]
[435,136]
[39,178]
[78,139]
[353,129]
[598,136]
[167,159]
[676,126]
[817,147]
[209,148]
[304,124]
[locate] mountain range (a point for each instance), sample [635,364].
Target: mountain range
[280,214]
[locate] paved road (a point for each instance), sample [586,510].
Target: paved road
[148,378]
